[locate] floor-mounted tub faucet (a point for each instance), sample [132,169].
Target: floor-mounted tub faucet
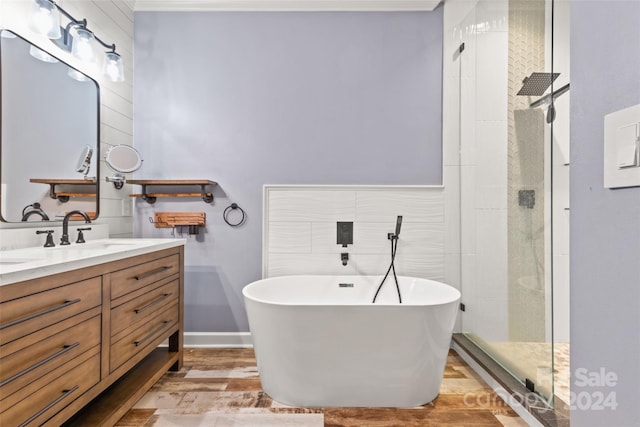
[64,240]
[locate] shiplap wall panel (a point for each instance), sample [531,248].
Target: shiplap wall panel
[112,21]
[291,211]
[115,119]
[117,103]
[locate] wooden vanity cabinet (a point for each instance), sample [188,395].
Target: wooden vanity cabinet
[81,347]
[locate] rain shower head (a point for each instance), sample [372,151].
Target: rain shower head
[537,83]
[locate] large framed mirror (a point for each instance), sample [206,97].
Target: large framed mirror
[49,140]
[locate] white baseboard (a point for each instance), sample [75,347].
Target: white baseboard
[218,339]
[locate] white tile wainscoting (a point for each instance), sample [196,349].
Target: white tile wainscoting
[299,230]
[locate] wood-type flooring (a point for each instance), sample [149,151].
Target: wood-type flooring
[221,388]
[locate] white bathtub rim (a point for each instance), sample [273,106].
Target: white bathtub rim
[455,293]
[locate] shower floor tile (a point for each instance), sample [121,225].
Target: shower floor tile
[528,357]
[221,387]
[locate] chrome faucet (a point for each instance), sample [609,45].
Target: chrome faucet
[64,240]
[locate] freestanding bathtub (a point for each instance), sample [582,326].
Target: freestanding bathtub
[320,342]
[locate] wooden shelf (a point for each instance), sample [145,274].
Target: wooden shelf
[64,181]
[171,182]
[68,194]
[207,196]
[63,196]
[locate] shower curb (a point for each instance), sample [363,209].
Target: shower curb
[504,383]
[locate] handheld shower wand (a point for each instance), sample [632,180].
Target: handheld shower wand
[393,237]
[398,225]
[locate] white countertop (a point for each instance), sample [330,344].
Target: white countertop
[30,263]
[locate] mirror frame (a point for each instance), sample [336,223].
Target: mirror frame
[97,141]
[123,170]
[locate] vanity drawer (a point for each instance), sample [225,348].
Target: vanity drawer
[138,276]
[140,308]
[151,332]
[40,400]
[22,316]
[30,362]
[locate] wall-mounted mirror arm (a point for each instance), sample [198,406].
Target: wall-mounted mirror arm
[117,180]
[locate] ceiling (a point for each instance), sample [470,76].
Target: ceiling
[285,5]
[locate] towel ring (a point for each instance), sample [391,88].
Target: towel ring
[229,209]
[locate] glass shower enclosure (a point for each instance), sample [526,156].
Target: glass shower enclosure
[513,64]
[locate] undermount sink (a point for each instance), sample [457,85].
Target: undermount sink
[100,245]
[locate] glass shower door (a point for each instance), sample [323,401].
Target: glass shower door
[507,250]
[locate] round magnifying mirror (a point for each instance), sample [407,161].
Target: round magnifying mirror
[84,162]
[123,159]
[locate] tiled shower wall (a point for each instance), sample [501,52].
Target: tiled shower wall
[526,172]
[300,230]
[475,160]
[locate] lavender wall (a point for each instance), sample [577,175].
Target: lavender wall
[605,224]
[248,99]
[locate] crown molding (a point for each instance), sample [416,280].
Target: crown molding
[284,5]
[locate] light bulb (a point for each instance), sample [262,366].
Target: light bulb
[45,19]
[82,45]
[112,68]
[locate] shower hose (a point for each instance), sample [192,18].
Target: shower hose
[392,267]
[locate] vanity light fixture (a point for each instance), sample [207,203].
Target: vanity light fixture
[82,44]
[113,68]
[77,38]
[45,19]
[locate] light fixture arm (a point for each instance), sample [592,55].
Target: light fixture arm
[72,23]
[83,24]
[111,46]
[67,14]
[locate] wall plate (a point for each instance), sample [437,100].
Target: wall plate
[622,148]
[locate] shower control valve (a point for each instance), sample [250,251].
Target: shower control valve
[344,257]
